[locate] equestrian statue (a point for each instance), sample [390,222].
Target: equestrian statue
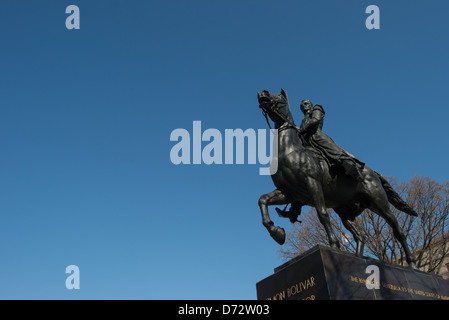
[315,171]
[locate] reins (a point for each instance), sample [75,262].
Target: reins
[264,113]
[274,109]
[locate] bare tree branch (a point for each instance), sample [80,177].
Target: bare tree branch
[427,234]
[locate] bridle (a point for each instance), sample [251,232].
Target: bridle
[264,113]
[275,109]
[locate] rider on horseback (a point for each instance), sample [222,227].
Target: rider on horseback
[311,135]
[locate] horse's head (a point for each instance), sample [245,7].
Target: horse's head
[275,106]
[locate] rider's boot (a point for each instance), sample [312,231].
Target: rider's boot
[292,213]
[353,170]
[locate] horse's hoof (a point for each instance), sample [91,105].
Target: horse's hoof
[335,245]
[360,249]
[278,234]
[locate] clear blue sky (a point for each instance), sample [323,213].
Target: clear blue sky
[86,116]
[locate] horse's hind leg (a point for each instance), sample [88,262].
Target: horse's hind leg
[347,215]
[273,198]
[352,227]
[399,235]
[381,206]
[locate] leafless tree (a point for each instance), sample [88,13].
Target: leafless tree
[427,234]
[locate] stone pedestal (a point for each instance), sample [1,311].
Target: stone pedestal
[323,273]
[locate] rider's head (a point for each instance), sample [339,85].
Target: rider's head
[306,105]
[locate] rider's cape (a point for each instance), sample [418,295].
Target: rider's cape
[328,148]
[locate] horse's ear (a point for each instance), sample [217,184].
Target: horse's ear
[284,94]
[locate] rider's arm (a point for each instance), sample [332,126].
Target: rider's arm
[315,118]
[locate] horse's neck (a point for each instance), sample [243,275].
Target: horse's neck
[287,119]
[288,138]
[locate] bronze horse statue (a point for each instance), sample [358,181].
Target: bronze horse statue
[303,177]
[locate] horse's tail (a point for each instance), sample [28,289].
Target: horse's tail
[394,198]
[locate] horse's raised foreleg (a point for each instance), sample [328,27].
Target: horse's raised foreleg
[273,198]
